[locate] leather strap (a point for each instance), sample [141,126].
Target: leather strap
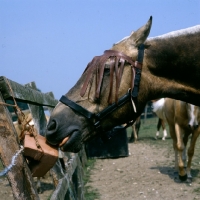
[131,95]
[98,64]
[76,107]
[121,55]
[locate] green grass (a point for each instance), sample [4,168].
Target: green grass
[90,193]
[147,128]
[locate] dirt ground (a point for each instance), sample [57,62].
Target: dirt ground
[147,173]
[46,186]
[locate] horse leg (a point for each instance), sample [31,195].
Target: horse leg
[184,156]
[173,136]
[195,135]
[134,133]
[180,147]
[164,129]
[138,123]
[158,128]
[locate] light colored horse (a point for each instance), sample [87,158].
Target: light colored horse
[170,68]
[157,106]
[183,120]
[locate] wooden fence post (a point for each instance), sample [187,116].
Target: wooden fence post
[56,171]
[37,113]
[69,184]
[19,176]
[40,123]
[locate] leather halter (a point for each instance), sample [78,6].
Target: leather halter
[131,95]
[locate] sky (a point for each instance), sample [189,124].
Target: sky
[51,42]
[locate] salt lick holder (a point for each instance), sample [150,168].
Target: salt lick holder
[41,158]
[40,155]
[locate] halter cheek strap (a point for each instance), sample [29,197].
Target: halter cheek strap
[96,119]
[77,107]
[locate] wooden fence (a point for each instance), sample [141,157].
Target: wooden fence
[69,184]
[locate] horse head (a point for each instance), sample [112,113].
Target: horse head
[106,81]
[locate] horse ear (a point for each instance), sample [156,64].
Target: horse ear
[142,33]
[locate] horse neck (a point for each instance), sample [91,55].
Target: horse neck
[175,57]
[171,67]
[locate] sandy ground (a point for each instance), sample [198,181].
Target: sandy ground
[46,186]
[148,173]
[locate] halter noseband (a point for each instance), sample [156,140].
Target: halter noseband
[96,119]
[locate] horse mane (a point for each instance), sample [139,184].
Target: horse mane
[110,59]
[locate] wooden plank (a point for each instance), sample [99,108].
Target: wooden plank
[37,113]
[19,176]
[25,94]
[64,190]
[57,173]
[39,118]
[40,123]
[66,183]
[83,156]
[51,95]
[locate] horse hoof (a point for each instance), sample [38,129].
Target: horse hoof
[183,178]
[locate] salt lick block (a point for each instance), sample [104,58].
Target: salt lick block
[39,161]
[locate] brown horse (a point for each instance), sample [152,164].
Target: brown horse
[171,67]
[183,120]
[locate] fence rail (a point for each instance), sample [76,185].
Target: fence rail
[69,184]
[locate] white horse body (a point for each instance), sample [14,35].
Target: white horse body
[158,110]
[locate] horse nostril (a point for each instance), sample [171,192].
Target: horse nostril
[51,126]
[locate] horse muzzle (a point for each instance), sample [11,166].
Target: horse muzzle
[68,139]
